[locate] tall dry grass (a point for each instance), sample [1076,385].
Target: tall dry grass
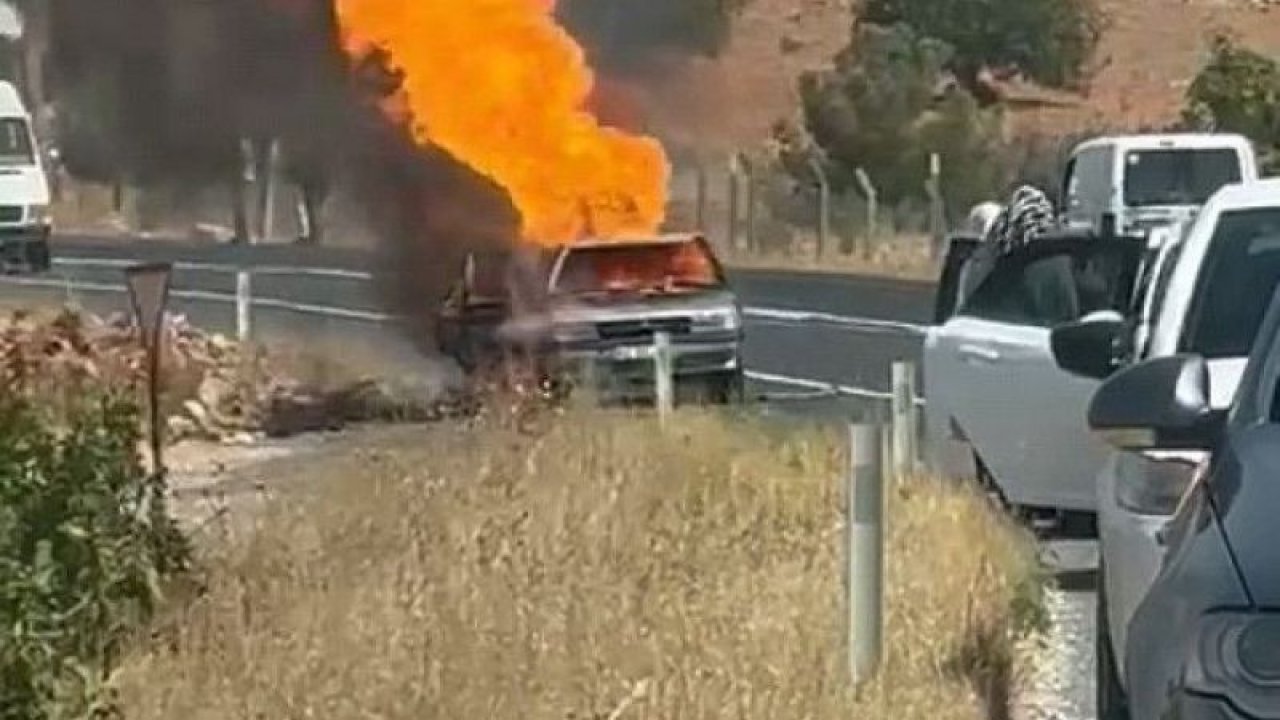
[595,568]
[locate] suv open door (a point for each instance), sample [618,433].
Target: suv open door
[991,383]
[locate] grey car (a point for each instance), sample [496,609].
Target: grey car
[597,306]
[1204,641]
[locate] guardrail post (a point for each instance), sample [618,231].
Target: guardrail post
[864,551]
[873,211]
[663,369]
[904,425]
[824,205]
[749,177]
[731,227]
[700,199]
[244,306]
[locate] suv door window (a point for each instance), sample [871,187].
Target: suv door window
[1235,285]
[1049,288]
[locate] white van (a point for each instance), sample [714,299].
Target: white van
[25,224]
[1128,184]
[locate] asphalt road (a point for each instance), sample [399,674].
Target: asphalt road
[779,345]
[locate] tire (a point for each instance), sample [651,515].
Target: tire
[1112,701]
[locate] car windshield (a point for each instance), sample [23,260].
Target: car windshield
[1236,283]
[653,267]
[15,142]
[1177,177]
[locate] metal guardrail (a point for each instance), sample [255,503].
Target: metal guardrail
[243,300]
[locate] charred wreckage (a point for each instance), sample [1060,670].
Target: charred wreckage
[589,312]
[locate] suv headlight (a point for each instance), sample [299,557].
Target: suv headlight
[1237,655]
[727,319]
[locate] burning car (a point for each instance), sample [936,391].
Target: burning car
[597,306]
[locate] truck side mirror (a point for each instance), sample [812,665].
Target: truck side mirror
[1087,347]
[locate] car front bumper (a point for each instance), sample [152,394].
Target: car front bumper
[629,368]
[24,248]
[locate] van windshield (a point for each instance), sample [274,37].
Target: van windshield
[1177,176]
[1236,282]
[15,142]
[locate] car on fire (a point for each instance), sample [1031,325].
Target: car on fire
[591,310]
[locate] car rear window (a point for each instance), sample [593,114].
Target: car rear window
[1179,176]
[638,268]
[1237,280]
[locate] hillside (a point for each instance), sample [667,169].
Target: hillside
[1148,55]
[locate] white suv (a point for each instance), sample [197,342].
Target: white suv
[1210,287]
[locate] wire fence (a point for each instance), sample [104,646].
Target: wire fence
[753,208]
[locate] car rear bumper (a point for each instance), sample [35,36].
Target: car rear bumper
[24,248]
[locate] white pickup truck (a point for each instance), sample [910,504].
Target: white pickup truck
[998,407]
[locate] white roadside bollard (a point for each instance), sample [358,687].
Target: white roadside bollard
[664,390]
[244,305]
[864,522]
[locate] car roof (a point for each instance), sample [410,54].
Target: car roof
[1251,194]
[1169,140]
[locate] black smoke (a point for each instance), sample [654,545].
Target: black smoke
[164,93]
[624,37]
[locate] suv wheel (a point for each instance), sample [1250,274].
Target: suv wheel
[1112,702]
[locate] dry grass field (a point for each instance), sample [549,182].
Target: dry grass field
[590,566]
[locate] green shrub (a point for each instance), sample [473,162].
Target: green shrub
[1049,40]
[885,107]
[85,545]
[1238,90]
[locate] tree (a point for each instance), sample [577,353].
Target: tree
[1048,40]
[1238,90]
[886,106]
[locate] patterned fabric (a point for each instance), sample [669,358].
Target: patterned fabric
[1028,215]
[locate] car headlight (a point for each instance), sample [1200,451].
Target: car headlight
[39,214]
[1237,655]
[1158,482]
[727,319]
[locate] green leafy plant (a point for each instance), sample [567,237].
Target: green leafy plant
[86,544]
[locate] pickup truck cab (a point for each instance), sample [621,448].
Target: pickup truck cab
[598,305]
[25,224]
[1210,287]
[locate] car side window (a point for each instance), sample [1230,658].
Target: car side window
[1052,289]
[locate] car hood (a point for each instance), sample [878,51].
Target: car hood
[1247,494]
[23,186]
[605,307]
[1224,378]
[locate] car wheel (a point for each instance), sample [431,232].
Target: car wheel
[1112,702]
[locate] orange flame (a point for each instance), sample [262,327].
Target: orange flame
[504,89]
